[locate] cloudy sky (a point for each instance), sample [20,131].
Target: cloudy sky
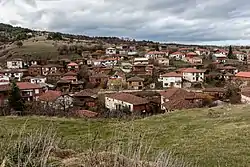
[184,21]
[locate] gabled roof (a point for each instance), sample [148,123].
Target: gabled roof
[135,79]
[86,93]
[27,85]
[72,64]
[192,70]
[175,93]
[70,73]
[129,98]
[243,74]
[172,74]
[50,96]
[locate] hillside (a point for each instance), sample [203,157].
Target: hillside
[210,137]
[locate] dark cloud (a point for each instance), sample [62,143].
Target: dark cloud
[161,20]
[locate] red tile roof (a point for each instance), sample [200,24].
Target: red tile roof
[135,79]
[192,70]
[243,74]
[70,73]
[86,93]
[129,98]
[50,96]
[27,85]
[68,78]
[72,64]
[172,74]
[191,54]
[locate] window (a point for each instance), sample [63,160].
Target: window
[166,84]
[193,73]
[36,91]
[14,63]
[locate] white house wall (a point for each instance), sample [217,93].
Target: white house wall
[110,104]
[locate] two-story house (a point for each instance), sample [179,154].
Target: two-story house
[120,101]
[51,69]
[16,63]
[171,79]
[110,51]
[73,67]
[135,83]
[29,91]
[16,74]
[240,55]
[219,58]
[35,70]
[155,55]
[193,74]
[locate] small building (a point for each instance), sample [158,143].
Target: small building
[228,69]
[176,99]
[4,80]
[51,69]
[16,63]
[141,61]
[120,101]
[16,74]
[86,98]
[35,70]
[240,55]
[117,81]
[73,67]
[135,83]
[162,61]
[171,79]
[219,58]
[29,91]
[177,56]
[243,76]
[56,100]
[202,52]
[111,51]
[35,80]
[54,77]
[194,60]
[155,55]
[193,74]
[98,79]
[215,92]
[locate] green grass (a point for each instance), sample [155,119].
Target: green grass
[210,137]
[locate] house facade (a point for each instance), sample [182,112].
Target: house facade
[111,51]
[162,61]
[51,69]
[193,74]
[29,91]
[119,101]
[219,58]
[73,67]
[171,79]
[15,64]
[35,70]
[135,83]
[155,55]
[4,80]
[177,56]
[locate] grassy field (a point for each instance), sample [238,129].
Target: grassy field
[208,137]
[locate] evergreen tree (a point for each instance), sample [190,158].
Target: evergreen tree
[15,99]
[230,54]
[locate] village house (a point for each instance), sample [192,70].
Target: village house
[177,98]
[111,51]
[243,76]
[86,98]
[240,55]
[202,52]
[193,74]
[56,100]
[121,101]
[4,80]
[228,69]
[177,56]
[105,62]
[219,58]
[51,69]
[35,70]
[162,61]
[141,61]
[139,69]
[16,63]
[99,79]
[194,60]
[73,67]
[54,77]
[155,55]
[16,74]
[29,91]
[117,81]
[221,51]
[135,83]
[215,92]
[171,79]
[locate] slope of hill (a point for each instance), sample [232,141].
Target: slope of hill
[210,137]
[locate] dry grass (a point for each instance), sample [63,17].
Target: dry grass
[208,137]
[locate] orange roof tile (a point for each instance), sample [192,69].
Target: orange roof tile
[50,96]
[243,74]
[172,74]
[72,64]
[129,98]
[27,85]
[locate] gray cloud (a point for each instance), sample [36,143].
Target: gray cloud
[161,20]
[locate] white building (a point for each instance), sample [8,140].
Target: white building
[38,80]
[177,56]
[4,80]
[16,74]
[193,74]
[163,61]
[15,64]
[219,58]
[171,79]
[118,101]
[140,61]
[240,56]
[105,62]
[110,51]
[155,55]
